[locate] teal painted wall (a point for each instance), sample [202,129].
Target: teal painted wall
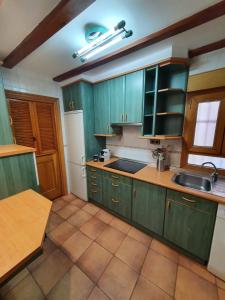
[5,129]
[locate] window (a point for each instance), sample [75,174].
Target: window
[204,136]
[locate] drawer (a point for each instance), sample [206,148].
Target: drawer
[91,170]
[192,201]
[117,179]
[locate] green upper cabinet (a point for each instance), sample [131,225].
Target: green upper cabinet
[148,206]
[102,108]
[5,129]
[189,223]
[72,97]
[17,174]
[117,99]
[134,94]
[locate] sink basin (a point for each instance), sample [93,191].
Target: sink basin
[193,181]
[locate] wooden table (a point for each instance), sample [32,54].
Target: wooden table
[23,219]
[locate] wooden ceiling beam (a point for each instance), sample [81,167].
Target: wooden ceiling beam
[190,22]
[60,16]
[207,48]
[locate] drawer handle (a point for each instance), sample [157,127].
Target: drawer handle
[93,170]
[168,203]
[95,184]
[116,185]
[94,191]
[189,200]
[115,201]
[113,176]
[94,177]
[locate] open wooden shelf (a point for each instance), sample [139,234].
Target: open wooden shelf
[171,90]
[149,92]
[169,114]
[161,137]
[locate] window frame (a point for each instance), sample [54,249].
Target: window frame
[218,148]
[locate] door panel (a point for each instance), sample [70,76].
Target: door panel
[134,97]
[149,206]
[117,99]
[49,175]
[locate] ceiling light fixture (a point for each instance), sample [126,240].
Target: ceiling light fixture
[104,41]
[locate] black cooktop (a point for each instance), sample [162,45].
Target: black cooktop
[126,165]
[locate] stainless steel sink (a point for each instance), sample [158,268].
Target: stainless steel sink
[193,181]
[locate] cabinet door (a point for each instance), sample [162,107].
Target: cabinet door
[94,183]
[117,196]
[102,108]
[134,93]
[189,228]
[149,206]
[117,99]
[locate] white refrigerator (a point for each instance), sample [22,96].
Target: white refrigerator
[74,127]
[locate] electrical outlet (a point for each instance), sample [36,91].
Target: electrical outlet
[155,142]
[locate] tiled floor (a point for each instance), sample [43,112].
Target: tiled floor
[90,254]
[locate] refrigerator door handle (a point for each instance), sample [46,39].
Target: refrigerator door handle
[83,172]
[83,159]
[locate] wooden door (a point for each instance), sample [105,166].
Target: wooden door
[117,99]
[35,125]
[134,93]
[149,206]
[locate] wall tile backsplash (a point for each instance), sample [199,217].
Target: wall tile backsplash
[130,145]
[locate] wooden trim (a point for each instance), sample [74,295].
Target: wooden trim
[58,129]
[60,16]
[207,48]
[106,135]
[199,18]
[170,60]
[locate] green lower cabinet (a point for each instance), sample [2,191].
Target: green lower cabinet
[17,174]
[94,184]
[189,223]
[148,206]
[117,194]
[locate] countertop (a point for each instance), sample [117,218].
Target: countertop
[13,149]
[23,219]
[151,175]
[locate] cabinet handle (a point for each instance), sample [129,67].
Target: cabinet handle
[95,184]
[126,117]
[113,176]
[94,177]
[116,185]
[115,201]
[168,205]
[122,117]
[94,191]
[189,200]
[93,170]
[134,193]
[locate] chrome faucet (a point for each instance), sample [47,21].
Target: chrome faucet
[214,175]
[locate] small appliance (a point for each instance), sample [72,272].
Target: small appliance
[105,155]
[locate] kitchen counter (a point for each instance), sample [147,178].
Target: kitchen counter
[13,149]
[151,175]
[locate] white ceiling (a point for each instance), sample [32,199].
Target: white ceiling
[142,16]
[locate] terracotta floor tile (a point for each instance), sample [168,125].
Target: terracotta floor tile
[67,211]
[78,202]
[164,250]
[93,228]
[140,236]
[62,233]
[111,239]
[118,280]
[161,271]
[191,286]
[26,289]
[120,225]
[221,294]
[48,248]
[53,221]
[220,283]
[145,290]
[51,270]
[69,197]
[79,218]
[58,204]
[91,208]
[94,261]
[196,268]
[104,216]
[76,245]
[132,252]
[97,294]
[75,285]
[13,282]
